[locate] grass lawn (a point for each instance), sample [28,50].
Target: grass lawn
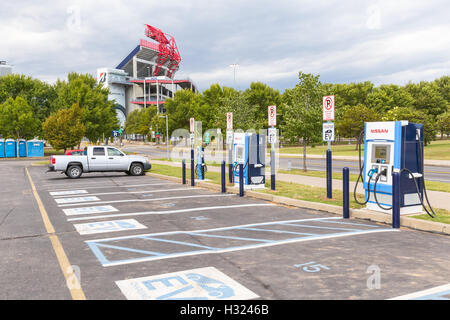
[436,150]
[431,185]
[50,151]
[442,216]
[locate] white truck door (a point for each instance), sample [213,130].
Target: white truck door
[98,159]
[117,160]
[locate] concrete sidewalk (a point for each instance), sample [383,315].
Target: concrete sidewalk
[438,199]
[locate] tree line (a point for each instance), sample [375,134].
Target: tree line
[299,109]
[62,113]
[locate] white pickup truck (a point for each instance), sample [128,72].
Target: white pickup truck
[99,159]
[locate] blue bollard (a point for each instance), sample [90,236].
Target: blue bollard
[192,168]
[241,180]
[183,171]
[329,175]
[223,177]
[230,172]
[346,193]
[272,169]
[395,200]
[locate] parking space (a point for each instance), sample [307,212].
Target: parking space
[148,238]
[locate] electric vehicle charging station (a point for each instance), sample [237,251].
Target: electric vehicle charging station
[249,150]
[393,146]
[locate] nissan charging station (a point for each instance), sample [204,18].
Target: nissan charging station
[393,147]
[249,150]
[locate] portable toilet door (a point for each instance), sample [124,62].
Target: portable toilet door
[10,148]
[22,148]
[35,148]
[2,148]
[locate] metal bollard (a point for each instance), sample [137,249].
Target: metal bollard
[241,180]
[272,169]
[192,168]
[329,175]
[395,200]
[183,171]
[345,192]
[223,177]
[230,172]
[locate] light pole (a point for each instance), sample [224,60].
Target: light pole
[167,134]
[234,66]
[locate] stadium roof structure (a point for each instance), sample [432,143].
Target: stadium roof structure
[162,56]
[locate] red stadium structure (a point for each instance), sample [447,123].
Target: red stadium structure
[168,50]
[145,78]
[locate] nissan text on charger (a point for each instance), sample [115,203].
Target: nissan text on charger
[99,159]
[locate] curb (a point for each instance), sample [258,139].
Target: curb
[407,222]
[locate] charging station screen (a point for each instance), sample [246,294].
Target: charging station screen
[380,152]
[239,154]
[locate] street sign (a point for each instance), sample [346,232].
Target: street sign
[272,135]
[192,124]
[120,131]
[328,108]
[272,111]
[115,133]
[328,131]
[207,138]
[192,138]
[229,137]
[229,120]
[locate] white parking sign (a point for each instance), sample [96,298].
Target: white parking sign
[328,131]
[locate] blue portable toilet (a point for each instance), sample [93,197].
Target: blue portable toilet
[35,148]
[10,148]
[22,148]
[2,148]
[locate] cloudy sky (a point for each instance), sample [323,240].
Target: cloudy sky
[344,40]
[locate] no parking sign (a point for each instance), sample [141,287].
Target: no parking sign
[328,108]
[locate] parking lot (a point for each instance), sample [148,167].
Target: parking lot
[148,238]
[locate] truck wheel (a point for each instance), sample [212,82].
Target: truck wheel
[74,172]
[137,169]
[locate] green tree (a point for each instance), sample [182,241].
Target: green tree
[260,96]
[99,116]
[351,123]
[39,95]
[303,112]
[244,115]
[428,98]
[64,129]
[443,123]
[17,119]
[386,97]
[414,116]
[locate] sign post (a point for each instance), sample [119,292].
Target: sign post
[192,128]
[230,145]
[328,135]
[272,132]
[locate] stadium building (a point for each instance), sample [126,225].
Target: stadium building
[145,78]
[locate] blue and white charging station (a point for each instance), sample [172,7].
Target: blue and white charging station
[393,146]
[249,150]
[200,163]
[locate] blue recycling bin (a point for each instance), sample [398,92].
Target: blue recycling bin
[2,148]
[35,148]
[22,148]
[10,148]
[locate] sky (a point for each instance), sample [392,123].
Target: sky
[271,41]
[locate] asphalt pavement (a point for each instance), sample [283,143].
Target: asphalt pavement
[148,238]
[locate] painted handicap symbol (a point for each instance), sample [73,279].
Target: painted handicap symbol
[214,288]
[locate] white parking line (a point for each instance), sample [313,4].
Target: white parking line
[157,199]
[75,201]
[171,211]
[102,186]
[135,192]
[425,294]
[67,193]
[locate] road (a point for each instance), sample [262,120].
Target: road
[432,173]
